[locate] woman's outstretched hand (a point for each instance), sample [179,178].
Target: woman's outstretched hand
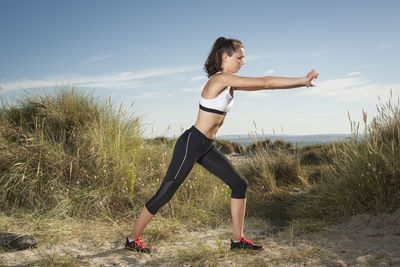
[311,76]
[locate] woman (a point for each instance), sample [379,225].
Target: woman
[196,143]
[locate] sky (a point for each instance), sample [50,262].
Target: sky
[148,56]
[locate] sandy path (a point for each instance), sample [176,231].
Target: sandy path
[363,240]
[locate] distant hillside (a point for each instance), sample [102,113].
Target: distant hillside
[298,140]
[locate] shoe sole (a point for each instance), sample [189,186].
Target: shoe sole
[136,250]
[248,249]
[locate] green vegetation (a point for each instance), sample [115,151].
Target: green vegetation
[228,147]
[268,145]
[364,175]
[73,155]
[316,154]
[69,153]
[267,170]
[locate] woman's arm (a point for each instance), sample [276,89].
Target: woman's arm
[267,82]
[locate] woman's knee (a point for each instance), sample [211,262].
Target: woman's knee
[239,188]
[244,184]
[162,196]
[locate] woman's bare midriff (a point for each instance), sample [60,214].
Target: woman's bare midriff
[209,123]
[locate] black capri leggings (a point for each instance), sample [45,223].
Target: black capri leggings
[193,146]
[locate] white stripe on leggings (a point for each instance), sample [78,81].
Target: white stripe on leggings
[187,143]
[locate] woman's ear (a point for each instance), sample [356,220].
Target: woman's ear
[224,57]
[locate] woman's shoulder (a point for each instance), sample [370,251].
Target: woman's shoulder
[223,80]
[219,76]
[214,86]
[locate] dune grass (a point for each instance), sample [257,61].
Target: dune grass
[70,154]
[364,175]
[268,170]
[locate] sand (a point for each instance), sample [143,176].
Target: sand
[363,240]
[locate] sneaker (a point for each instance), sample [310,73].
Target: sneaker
[136,245]
[244,243]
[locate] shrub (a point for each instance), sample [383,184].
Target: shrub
[228,147]
[364,175]
[267,144]
[267,170]
[316,154]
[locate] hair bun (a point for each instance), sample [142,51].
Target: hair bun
[221,39]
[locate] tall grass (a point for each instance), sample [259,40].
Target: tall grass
[364,175]
[266,170]
[68,152]
[71,153]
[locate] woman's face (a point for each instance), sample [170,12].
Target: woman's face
[236,61]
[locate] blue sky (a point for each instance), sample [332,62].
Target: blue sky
[151,53]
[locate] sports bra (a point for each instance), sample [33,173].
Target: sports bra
[220,104]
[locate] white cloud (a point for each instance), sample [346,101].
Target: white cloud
[351,90]
[314,54]
[256,94]
[245,103]
[354,73]
[384,46]
[195,89]
[155,95]
[23,84]
[97,58]
[269,71]
[115,81]
[197,78]
[259,56]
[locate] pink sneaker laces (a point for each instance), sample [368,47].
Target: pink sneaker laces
[140,243]
[242,239]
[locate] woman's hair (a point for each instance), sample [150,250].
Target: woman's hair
[221,45]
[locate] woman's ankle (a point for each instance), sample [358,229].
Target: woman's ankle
[236,238]
[134,236]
